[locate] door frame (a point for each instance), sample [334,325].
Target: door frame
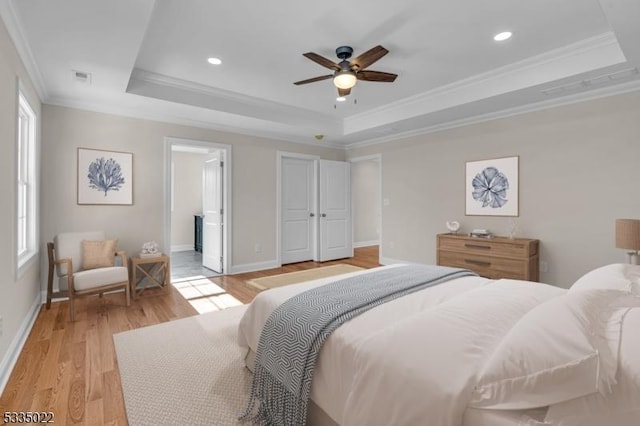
[378,158]
[280,155]
[203,147]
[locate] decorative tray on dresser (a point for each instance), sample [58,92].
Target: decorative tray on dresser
[496,257]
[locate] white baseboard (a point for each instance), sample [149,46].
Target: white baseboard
[389,261]
[182,247]
[250,267]
[12,355]
[366,243]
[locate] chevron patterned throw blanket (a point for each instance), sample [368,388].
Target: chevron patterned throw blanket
[295,332]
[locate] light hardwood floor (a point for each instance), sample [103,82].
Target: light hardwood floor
[71,369]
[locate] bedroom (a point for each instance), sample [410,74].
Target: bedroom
[578,164]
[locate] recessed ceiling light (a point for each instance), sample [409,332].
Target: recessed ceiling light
[341,99]
[503,36]
[214,61]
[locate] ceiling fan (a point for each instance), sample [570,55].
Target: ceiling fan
[347,73]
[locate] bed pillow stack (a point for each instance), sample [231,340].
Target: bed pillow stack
[621,407]
[618,276]
[567,349]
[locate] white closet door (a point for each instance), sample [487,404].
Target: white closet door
[298,209]
[336,239]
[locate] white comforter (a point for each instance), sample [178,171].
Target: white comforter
[410,361]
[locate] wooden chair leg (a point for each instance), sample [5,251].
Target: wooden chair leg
[72,310]
[127,294]
[50,249]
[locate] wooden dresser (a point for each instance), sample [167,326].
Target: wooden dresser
[496,257]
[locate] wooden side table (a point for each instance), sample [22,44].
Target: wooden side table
[156,269]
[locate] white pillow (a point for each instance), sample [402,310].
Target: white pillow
[622,406]
[617,276]
[562,349]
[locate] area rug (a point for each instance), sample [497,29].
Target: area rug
[185,372]
[301,276]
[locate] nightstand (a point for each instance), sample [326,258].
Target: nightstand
[156,269]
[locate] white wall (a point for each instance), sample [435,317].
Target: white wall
[365,190]
[187,196]
[579,171]
[19,298]
[253,179]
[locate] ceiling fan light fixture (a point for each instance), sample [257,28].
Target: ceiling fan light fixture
[344,80]
[214,61]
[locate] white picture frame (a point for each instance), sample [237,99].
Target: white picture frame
[492,187]
[105,177]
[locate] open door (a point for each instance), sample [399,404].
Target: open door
[336,238]
[213,211]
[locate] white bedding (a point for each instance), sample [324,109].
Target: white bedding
[411,359]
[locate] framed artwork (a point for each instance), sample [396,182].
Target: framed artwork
[105,177]
[491,187]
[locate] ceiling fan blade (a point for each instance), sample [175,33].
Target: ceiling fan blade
[384,77]
[314,79]
[322,61]
[343,92]
[368,58]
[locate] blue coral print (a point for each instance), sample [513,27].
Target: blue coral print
[105,175]
[490,188]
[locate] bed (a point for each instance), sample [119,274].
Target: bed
[474,352]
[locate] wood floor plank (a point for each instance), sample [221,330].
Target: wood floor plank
[71,369]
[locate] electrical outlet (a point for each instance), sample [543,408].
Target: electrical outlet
[258,248]
[392,245]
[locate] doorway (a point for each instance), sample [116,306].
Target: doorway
[197,213]
[366,183]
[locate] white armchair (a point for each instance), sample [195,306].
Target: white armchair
[85,264]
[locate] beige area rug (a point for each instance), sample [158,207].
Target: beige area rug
[301,276]
[185,372]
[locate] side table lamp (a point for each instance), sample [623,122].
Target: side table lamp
[628,237]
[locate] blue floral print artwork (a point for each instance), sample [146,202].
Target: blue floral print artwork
[490,188]
[105,175]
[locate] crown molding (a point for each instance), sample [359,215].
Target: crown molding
[104,108]
[603,47]
[604,92]
[14,27]
[235,103]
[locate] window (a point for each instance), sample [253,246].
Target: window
[27,184]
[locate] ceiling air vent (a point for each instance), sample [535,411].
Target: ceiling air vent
[81,77]
[592,82]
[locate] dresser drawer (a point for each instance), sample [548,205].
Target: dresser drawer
[486,266]
[488,247]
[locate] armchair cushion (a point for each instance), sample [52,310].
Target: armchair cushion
[68,245]
[98,254]
[91,278]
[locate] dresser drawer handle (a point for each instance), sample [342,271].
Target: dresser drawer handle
[477,246]
[477,262]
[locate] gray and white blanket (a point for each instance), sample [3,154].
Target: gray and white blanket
[295,332]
